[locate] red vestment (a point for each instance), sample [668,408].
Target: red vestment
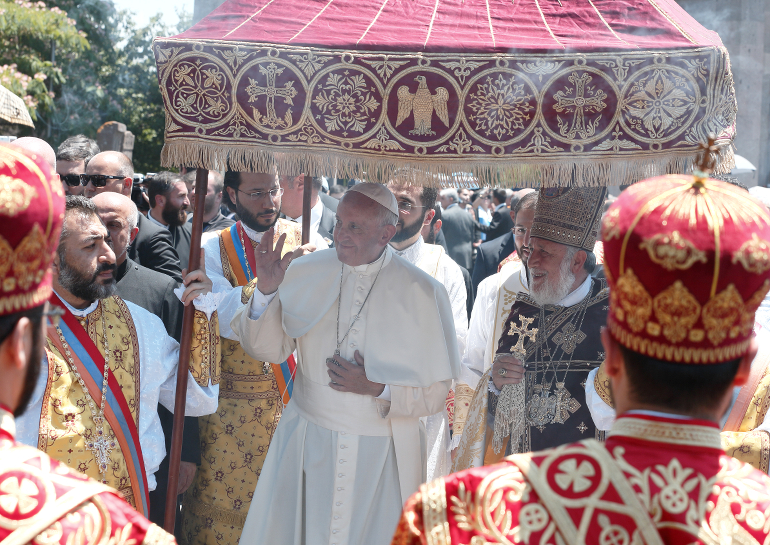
[45,502]
[656,480]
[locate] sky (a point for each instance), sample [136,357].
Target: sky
[144,9]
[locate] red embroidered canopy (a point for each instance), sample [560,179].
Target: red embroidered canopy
[517,92]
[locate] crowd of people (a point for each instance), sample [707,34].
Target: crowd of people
[434,366]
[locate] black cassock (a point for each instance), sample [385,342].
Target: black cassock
[561,346]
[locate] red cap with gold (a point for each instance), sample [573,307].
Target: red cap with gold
[31,214]
[688,263]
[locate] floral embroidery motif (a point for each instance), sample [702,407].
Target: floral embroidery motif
[657,103]
[754,255]
[500,106]
[575,476]
[672,251]
[15,195]
[610,229]
[346,102]
[18,495]
[199,91]
[635,303]
[677,311]
[27,257]
[722,315]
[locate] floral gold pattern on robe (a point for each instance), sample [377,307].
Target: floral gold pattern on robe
[44,502]
[234,440]
[65,420]
[656,480]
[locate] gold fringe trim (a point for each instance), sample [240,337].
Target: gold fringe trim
[225,516]
[437,171]
[678,354]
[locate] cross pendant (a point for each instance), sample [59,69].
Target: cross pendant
[101,448]
[331,359]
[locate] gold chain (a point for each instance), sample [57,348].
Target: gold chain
[101,447]
[249,275]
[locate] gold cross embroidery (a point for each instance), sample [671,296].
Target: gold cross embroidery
[522,331]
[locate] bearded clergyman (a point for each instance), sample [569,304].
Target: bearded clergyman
[533,393]
[108,363]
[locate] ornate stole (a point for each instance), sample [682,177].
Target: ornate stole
[65,418]
[238,265]
[561,346]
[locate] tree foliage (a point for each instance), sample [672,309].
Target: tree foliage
[104,70]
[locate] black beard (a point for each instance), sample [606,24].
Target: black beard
[33,368]
[173,216]
[252,220]
[84,287]
[408,231]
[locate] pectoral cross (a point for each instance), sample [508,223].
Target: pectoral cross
[332,361]
[522,331]
[568,338]
[565,404]
[101,448]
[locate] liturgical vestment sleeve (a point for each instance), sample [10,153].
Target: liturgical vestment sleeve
[263,339]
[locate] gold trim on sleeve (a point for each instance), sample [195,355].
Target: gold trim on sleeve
[665,432]
[434,513]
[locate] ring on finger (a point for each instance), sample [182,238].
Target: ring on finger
[501,372]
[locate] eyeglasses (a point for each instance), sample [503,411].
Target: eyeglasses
[258,195]
[99,180]
[406,207]
[53,313]
[74,180]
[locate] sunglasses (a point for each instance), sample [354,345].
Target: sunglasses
[99,180]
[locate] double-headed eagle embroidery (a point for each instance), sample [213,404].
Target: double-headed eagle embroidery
[423,104]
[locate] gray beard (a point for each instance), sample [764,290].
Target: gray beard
[554,290]
[83,287]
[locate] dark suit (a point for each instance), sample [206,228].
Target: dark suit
[329,201]
[441,240]
[181,236]
[154,292]
[459,228]
[153,248]
[488,257]
[500,225]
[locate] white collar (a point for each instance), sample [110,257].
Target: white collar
[156,222]
[451,205]
[578,295]
[374,266]
[82,313]
[499,206]
[256,236]
[411,253]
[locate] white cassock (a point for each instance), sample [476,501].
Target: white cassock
[340,465]
[158,362]
[433,260]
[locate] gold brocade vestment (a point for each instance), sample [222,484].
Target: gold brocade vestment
[65,419]
[234,440]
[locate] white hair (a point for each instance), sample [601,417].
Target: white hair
[451,193]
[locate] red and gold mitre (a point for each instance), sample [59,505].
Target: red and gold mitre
[31,214]
[688,263]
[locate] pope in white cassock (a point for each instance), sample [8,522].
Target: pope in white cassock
[415,210]
[377,350]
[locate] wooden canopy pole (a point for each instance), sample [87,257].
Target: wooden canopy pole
[175,456]
[306,195]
